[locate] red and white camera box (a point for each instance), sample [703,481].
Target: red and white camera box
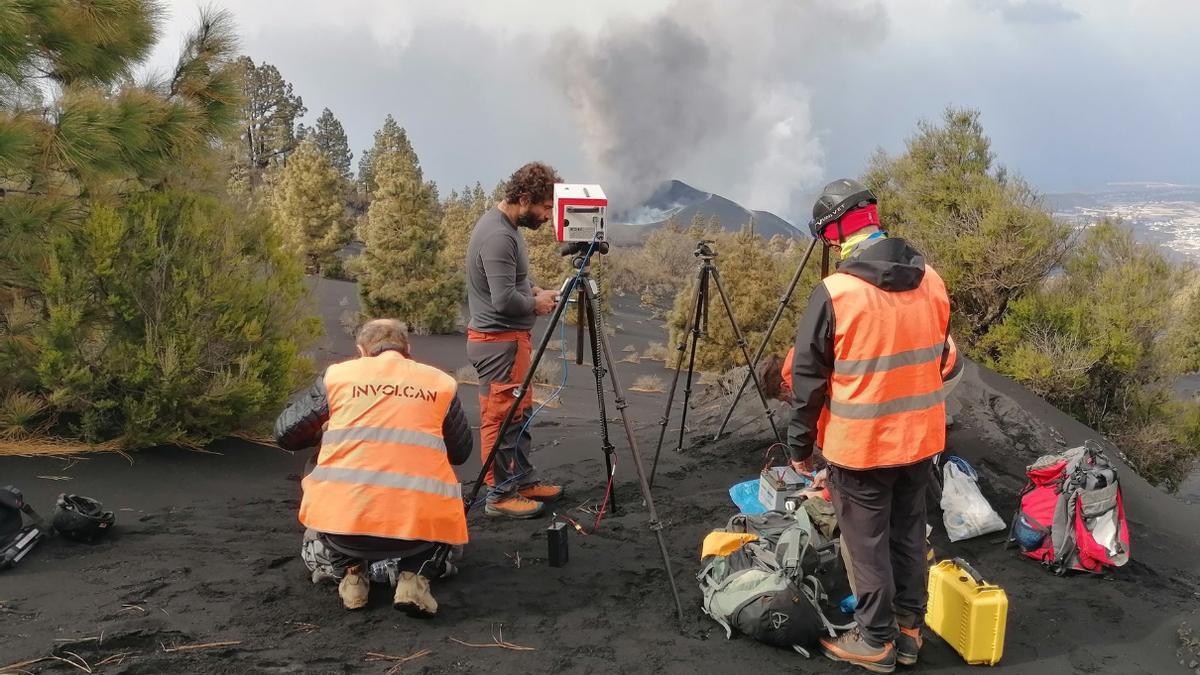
[580,212]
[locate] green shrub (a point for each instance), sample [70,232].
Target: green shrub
[171,319]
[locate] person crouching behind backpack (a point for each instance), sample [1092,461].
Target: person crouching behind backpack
[383,492]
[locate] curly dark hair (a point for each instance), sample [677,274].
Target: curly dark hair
[535,180]
[770,376]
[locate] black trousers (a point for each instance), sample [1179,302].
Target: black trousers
[881,513]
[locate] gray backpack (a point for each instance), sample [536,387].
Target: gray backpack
[767,589]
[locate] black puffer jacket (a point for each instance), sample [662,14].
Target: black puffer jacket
[299,426]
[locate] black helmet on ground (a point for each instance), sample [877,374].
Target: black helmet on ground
[81,518]
[840,196]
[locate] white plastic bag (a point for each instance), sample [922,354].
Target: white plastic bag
[965,510]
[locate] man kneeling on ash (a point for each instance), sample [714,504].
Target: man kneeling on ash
[383,497]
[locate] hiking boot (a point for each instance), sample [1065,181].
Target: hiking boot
[514,506]
[353,588]
[853,648]
[413,596]
[908,643]
[541,492]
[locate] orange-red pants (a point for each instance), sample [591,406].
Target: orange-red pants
[502,361]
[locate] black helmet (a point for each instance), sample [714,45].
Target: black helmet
[836,199]
[81,518]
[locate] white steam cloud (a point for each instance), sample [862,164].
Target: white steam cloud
[713,93]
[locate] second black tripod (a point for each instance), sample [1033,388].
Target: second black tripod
[707,276]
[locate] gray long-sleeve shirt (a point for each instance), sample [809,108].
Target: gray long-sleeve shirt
[499,294]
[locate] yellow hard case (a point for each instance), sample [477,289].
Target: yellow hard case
[967,612]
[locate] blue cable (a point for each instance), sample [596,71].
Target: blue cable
[562,338]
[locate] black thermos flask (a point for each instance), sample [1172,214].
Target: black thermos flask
[556,539]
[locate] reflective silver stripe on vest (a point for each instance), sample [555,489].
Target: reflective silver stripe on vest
[866,411]
[405,436]
[386,479]
[881,363]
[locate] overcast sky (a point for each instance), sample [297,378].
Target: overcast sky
[760,101]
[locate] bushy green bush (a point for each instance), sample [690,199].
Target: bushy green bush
[168,319]
[1098,342]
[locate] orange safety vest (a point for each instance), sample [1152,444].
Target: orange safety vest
[886,406]
[382,470]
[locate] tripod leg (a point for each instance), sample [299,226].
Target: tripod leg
[741,342]
[656,526]
[689,328]
[595,324]
[762,346]
[687,387]
[579,325]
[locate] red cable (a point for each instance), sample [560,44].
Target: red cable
[607,492]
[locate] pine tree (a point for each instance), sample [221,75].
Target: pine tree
[136,306]
[268,118]
[391,137]
[498,192]
[307,208]
[331,140]
[460,212]
[403,272]
[714,225]
[103,130]
[365,172]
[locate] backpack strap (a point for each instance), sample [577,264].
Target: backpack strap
[791,550]
[815,593]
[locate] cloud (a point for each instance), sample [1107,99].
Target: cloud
[1031,11]
[778,94]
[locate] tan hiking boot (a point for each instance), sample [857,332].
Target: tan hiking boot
[854,649]
[515,506]
[354,588]
[413,596]
[541,492]
[908,643]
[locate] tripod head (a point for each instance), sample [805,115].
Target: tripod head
[704,251]
[579,249]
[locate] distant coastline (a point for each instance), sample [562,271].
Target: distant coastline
[1164,214]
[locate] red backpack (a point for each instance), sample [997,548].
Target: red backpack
[1071,515]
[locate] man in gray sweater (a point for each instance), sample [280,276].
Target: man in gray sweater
[503,305]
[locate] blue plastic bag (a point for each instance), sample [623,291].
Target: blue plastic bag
[745,497]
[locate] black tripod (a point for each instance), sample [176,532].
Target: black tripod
[762,347]
[589,315]
[696,326]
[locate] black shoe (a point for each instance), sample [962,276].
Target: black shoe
[908,643]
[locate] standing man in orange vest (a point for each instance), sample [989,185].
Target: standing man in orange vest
[867,382]
[383,490]
[503,304]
